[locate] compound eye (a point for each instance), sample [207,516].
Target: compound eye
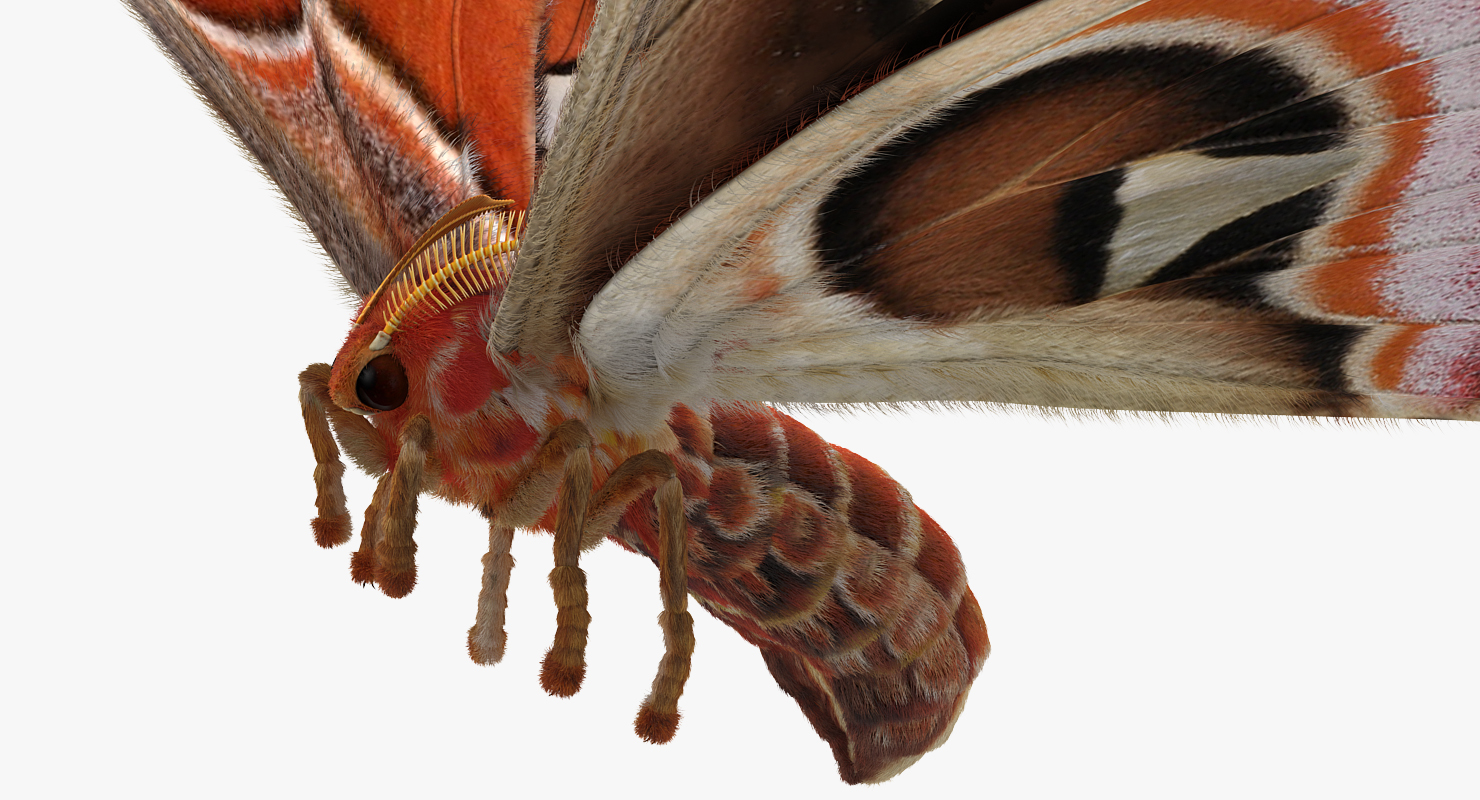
[382,383]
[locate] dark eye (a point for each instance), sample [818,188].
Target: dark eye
[382,383]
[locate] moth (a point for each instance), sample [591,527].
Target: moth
[1148,206]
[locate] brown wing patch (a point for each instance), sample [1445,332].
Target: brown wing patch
[1011,199]
[728,78]
[704,89]
[935,271]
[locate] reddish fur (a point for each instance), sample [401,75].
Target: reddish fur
[559,679]
[874,511]
[654,726]
[395,584]
[973,628]
[690,473]
[695,438]
[789,673]
[732,496]
[801,536]
[746,433]
[497,440]
[362,567]
[331,531]
[287,74]
[939,561]
[883,591]
[364,108]
[842,628]
[466,384]
[807,463]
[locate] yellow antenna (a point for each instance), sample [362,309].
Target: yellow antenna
[464,254]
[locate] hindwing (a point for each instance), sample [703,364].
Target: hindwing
[1268,208]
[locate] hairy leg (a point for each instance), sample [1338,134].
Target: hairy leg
[657,719]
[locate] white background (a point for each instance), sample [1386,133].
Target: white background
[1201,609]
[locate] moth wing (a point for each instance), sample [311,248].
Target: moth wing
[374,117]
[1264,208]
[671,98]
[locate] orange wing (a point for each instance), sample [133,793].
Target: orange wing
[376,117]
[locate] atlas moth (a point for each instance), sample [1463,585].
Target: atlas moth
[1147,205]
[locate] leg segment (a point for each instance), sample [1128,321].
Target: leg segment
[563,465]
[486,637]
[581,522]
[657,720]
[332,525]
[565,664]
[362,561]
[395,553]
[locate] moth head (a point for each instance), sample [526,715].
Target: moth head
[369,381]
[428,309]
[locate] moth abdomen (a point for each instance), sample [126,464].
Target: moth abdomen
[857,599]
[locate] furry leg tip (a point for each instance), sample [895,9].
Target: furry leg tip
[561,680]
[396,584]
[331,531]
[479,655]
[656,727]
[362,568]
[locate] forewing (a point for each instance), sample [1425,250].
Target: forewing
[374,117]
[565,34]
[1257,208]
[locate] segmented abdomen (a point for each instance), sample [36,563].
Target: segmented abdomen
[857,599]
